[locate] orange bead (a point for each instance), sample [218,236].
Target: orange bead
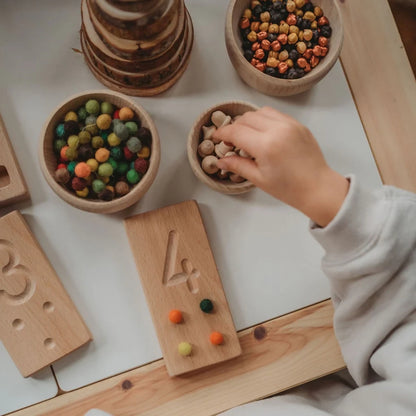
[216,338]
[126,113]
[102,154]
[82,170]
[63,152]
[175,316]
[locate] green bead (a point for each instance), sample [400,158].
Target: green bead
[206,305]
[97,142]
[122,168]
[121,131]
[133,176]
[107,108]
[134,144]
[71,167]
[58,145]
[93,107]
[132,127]
[98,186]
[113,163]
[60,130]
[73,141]
[84,137]
[105,169]
[82,114]
[116,153]
[104,134]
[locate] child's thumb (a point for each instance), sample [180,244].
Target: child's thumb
[240,165]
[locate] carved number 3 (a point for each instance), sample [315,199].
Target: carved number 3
[11,270]
[189,275]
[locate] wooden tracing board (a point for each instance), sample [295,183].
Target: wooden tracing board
[38,321]
[177,270]
[12,184]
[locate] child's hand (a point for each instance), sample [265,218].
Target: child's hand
[288,163]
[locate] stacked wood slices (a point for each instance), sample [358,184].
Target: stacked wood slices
[137,47]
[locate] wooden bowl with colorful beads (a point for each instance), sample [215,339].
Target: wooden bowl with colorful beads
[225,186]
[49,159]
[271,85]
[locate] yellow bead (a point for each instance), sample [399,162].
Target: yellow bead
[104,121]
[73,141]
[105,179]
[185,349]
[113,140]
[93,164]
[83,193]
[71,115]
[144,152]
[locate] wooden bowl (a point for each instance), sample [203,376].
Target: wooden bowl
[266,83]
[48,160]
[231,108]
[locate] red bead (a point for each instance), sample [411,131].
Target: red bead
[141,165]
[61,166]
[78,184]
[127,154]
[116,114]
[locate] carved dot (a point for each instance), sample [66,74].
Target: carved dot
[49,343]
[18,324]
[48,307]
[260,332]
[127,384]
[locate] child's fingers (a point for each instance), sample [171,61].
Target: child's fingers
[240,136]
[244,167]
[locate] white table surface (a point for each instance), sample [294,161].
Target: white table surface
[268,262]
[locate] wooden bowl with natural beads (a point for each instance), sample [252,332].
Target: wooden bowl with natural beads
[226,186]
[48,158]
[268,84]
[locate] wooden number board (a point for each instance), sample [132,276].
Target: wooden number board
[178,271]
[38,321]
[12,184]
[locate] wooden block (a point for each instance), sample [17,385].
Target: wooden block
[12,184]
[177,270]
[38,321]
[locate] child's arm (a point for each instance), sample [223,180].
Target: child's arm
[369,238]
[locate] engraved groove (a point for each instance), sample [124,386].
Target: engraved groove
[189,275]
[4,177]
[11,268]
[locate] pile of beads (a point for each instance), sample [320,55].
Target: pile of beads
[284,38]
[102,151]
[211,149]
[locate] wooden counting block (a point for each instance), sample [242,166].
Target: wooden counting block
[12,184]
[38,321]
[178,271]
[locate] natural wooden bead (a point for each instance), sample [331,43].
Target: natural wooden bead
[205,148]
[273,28]
[300,35]
[291,19]
[299,13]
[264,27]
[318,11]
[283,55]
[222,148]
[254,3]
[302,62]
[259,54]
[290,6]
[289,63]
[276,46]
[308,54]
[324,50]
[272,62]
[209,164]
[294,29]
[323,21]
[309,16]
[243,153]
[317,51]
[282,38]
[323,41]
[219,119]
[314,61]
[284,28]
[307,35]
[301,47]
[236,178]
[273,54]
[255,46]
[265,17]
[299,3]
[292,38]
[252,36]
[247,13]
[261,35]
[261,66]
[314,25]
[265,45]
[207,132]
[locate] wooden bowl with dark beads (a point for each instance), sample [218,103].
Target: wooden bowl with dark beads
[271,85]
[225,186]
[48,157]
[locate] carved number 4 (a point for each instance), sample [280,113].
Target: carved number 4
[189,275]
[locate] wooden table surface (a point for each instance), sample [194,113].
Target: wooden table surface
[301,344]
